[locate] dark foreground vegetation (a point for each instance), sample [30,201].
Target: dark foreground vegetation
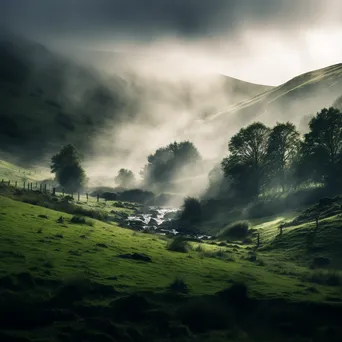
[80,310]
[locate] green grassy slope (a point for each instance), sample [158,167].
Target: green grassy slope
[29,242]
[14,173]
[67,280]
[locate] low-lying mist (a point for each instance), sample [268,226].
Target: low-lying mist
[172,95]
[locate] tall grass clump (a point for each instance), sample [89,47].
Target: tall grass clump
[236,230]
[178,244]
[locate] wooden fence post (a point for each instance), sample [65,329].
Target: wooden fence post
[31,186]
[258,241]
[87,196]
[53,191]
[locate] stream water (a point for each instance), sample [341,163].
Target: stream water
[157,218]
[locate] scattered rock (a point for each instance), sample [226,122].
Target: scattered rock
[43,216]
[76,253]
[102,245]
[136,256]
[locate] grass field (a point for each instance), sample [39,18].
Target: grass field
[42,251]
[14,173]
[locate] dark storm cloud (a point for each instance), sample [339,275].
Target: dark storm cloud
[188,18]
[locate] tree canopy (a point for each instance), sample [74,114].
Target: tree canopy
[125,178]
[66,165]
[167,161]
[262,158]
[245,165]
[323,144]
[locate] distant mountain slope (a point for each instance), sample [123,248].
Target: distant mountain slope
[303,95]
[237,90]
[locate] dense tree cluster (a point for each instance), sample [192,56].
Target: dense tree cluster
[166,162]
[263,158]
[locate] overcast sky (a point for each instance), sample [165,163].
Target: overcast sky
[263,41]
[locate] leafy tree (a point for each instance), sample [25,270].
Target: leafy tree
[338,103]
[283,146]
[66,165]
[125,178]
[164,164]
[323,145]
[219,186]
[247,160]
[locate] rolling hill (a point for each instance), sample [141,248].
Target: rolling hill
[301,96]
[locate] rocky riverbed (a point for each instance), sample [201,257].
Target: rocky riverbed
[161,220]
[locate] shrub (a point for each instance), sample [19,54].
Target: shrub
[329,278]
[191,210]
[179,286]
[178,244]
[110,196]
[78,220]
[118,205]
[218,254]
[81,220]
[238,230]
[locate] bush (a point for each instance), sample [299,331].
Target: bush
[179,286]
[135,195]
[237,230]
[329,278]
[218,254]
[80,220]
[178,244]
[191,210]
[110,196]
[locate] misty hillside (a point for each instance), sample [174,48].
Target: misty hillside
[47,100]
[301,96]
[237,90]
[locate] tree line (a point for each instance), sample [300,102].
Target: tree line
[263,158]
[260,159]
